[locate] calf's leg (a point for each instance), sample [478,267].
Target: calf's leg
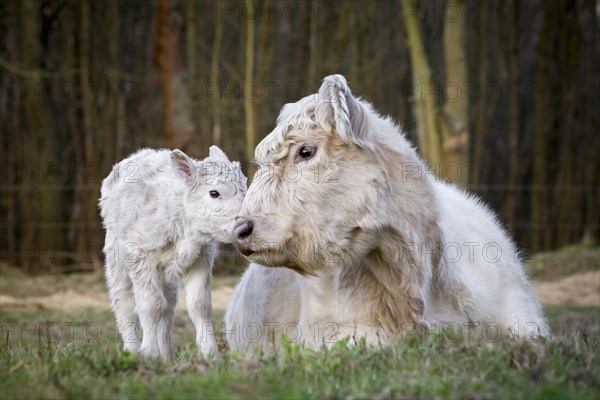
[165,325]
[152,305]
[199,305]
[120,292]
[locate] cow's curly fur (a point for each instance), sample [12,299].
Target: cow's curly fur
[368,237]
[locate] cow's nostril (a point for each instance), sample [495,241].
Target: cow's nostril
[243,230]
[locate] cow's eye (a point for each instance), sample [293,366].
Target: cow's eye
[306,152]
[214,194]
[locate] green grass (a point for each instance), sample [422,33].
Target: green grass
[46,353]
[93,366]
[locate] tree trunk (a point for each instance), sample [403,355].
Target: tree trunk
[313,43]
[303,43]
[179,126]
[567,207]
[368,76]
[113,121]
[42,149]
[190,41]
[86,192]
[264,75]
[248,81]
[591,120]
[424,106]
[215,76]
[354,43]
[510,27]
[455,114]
[13,153]
[481,120]
[545,90]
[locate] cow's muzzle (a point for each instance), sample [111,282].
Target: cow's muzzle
[242,234]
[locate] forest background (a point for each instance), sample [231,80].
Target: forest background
[498,96]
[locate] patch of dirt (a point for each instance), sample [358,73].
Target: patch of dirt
[78,291]
[220,297]
[69,300]
[72,301]
[581,289]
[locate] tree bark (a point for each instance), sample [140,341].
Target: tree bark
[267,41]
[342,37]
[86,192]
[215,75]
[367,61]
[42,150]
[354,43]
[591,121]
[567,206]
[179,127]
[455,114]
[12,153]
[544,135]
[190,41]
[510,27]
[424,106]
[481,120]
[249,81]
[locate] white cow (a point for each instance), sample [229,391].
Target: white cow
[372,243]
[164,214]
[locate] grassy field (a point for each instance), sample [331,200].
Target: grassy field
[77,356]
[50,353]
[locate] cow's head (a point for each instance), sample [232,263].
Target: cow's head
[320,190]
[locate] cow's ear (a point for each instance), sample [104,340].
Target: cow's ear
[346,112]
[182,164]
[216,153]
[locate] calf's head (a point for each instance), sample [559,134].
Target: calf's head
[215,188]
[319,186]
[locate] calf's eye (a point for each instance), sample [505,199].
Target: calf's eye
[305,152]
[214,194]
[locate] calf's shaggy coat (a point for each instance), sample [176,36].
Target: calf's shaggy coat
[164,213]
[372,244]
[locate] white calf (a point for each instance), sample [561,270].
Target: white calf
[164,214]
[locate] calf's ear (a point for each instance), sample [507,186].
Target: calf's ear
[345,112]
[218,154]
[182,164]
